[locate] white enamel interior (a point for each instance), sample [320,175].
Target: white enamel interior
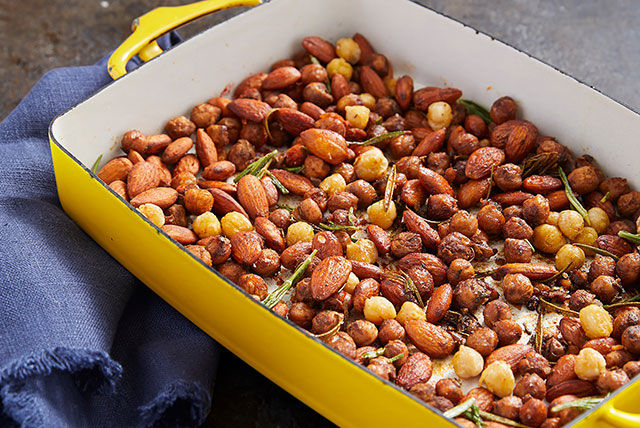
[434,49]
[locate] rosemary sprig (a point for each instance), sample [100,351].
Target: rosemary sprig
[563,270]
[276,295]
[266,122]
[495,418]
[539,164]
[256,166]
[396,357]
[474,415]
[295,169]
[375,140]
[537,343]
[334,226]
[531,245]
[596,250]
[484,273]
[631,301]
[558,309]
[390,188]
[581,404]
[631,237]
[409,285]
[605,197]
[575,203]
[475,108]
[277,183]
[285,207]
[373,354]
[459,409]
[94,168]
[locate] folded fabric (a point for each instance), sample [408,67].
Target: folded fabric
[82,342]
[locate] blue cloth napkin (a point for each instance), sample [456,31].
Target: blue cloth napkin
[82,342]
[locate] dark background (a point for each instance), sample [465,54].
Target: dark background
[597,42]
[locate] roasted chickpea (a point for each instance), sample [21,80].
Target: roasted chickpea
[606,288]
[532,385]
[463,222]
[508,331]
[377,309]
[508,407]
[533,412]
[449,389]
[348,49]
[624,319]
[610,380]
[299,231]
[570,223]
[363,250]
[233,223]
[381,217]
[371,165]
[439,115]
[628,268]
[153,213]
[579,299]
[389,330]
[362,332]
[483,340]
[517,228]
[517,288]
[491,219]
[599,219]
[357,116]
[301,314]
[517,251]
[339,66]
[498,378]
[548,239]
[631,339]
[460,270]
[508,177]
[536,210]
[569,257]
[589,364]
[595,321]
[424,391]
[467,362]
[410,311]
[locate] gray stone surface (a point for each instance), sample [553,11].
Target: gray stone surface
[597,42]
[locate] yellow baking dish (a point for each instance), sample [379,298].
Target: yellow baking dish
[432,48]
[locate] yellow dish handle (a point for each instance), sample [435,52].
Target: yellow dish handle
[151,25]
[619,418]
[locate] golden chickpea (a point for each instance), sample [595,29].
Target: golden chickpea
[339,66]
[548,238]
[352,282]
[153,213]
[467,362]
[299,231]
[410,311]
[363,250]
[357,116]
[380,217]
[589,364]
[207,224]
[599,219]
[235,222]
[570,223]
[569,255]
[595,321]
[498,378]
[587,236]
[390,83]
[378,309]
[439,115]
[552,219]
[368,100]
[371,165]
[348,49]
[333,183]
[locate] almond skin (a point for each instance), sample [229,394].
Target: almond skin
[143,176]
[404,91]
[295,183]
[483,397]
[181,234]
[434,183]
[176,150]
[541,184]
[319,48]
[157,143]
[417,369]
[430,338]
[431,143]
[328,145]
[430,262]
[572,331]
[482,161]
[120,187]
[521,141]
[115,169]
[294,121]
[248,109]
[252,196]
[534,271]
[280,78]
[327,278]
[439,303]
[577,387]
[163,197]
[205,148]
[511,354]
[224,203]
[219,170]
[471,192]
[372,83]
[512,198]
[246,247]
[270,232]
[417,224]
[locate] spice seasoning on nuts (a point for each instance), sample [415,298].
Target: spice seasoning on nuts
[444,246]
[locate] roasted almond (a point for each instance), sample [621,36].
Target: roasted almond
[319,48]
[562,371]
[157,143]
[572,331]
[484,400]
[252,196]
[224,203]
[188,163]
[439,303]
[424,97]
[339,86]
[541,184]
[404,92]
[534,271]
[219,170]
[181,234]
[120,187]
[366,50]
[270,190]
[327,278]
[325,144]
[270,232]
[281,78]
[115,169]
[294,121]
[165,174]
[135,157]
[482,161]
[246,247]
[248,109]
[521,141]
[558,200]
[252,82]
[143,176]
[430,262]
[176,150]
[614,244]
[500,133]
[380,238]
[372,83]
[295,183]
[430,338]
[604,345]
[512,198]
[230,188]
[511,354]
[431,143]
[416,369]
[163,197]
[366,270]
[577,387]
[205,148]
[295,254]
[434,183]
[473,191]
[417,224]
